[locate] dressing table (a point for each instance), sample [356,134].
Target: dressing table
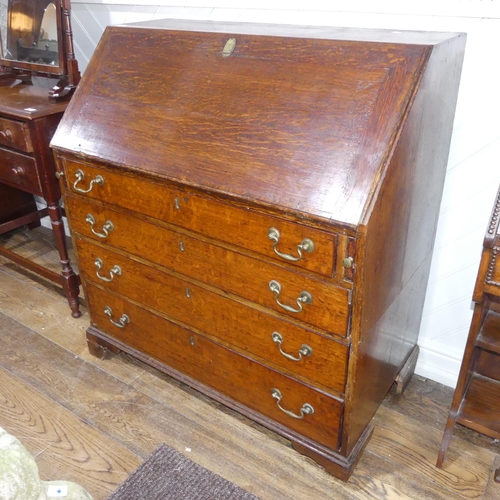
[38,75]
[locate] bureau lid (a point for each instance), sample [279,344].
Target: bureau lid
[302,123]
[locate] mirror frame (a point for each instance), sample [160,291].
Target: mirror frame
[60,68]
[67,69]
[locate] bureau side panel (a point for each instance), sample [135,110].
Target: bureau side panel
[398,234]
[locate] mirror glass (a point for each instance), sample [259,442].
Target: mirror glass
[28,31]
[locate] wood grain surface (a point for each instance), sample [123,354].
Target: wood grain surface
[93,421]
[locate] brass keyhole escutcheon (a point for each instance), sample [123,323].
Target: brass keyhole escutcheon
[229,47]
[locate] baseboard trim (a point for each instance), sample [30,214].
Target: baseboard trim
[437,367]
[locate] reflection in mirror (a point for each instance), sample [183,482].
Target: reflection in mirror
[28,31]
[3,28]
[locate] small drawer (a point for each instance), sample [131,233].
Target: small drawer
[19,170]
[301,298]
[316,415]
[309,356]
[15,135]
[281,240]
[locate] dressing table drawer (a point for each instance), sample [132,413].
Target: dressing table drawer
[14,134]
[310,356]
[284,241]
[316,414]
[19,170]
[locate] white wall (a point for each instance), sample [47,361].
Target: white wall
[474,165]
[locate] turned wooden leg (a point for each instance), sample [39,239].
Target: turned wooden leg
[71,281]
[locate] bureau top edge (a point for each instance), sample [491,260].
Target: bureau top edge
[300,31]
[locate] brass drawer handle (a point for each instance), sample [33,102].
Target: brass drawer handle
[7,135]
[80,176]
[304,350]
[124,319]
[306,245]
[106,229]
[304,297]
[306,409]
[115,270]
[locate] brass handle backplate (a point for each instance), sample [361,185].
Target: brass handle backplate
[304,350]
[229,47]
[115,270]
[124,319]
[79,174]
[306,409]
[303,298]
[18,170]
[106,228]
[306,245]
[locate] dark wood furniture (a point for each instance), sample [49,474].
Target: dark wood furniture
[476,402]
[29,115]
[254,207]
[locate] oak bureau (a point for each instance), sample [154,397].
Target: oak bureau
[254,209]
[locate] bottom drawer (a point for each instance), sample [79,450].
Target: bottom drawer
[302,409]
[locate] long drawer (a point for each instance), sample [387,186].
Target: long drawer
[316,415]
[20,170]
[14,134]
[309,356]
[275,238]
[302,298]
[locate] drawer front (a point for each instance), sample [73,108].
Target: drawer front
[237,377]
[20,170]
[15,135]
[230,271]
[307,355]
[212,218]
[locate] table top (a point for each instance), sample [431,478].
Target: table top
[27,102]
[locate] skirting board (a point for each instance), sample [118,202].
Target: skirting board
[437,367]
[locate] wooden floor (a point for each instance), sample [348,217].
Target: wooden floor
[94,422]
